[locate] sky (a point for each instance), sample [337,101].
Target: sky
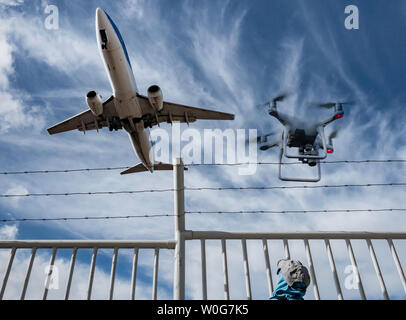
[223,55]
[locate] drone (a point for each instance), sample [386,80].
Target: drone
[308,138]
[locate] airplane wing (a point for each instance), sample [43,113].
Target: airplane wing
[172,112]
[86,120]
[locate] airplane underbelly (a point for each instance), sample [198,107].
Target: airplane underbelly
[121,76]
[142,145]
[127,107]
[123,84]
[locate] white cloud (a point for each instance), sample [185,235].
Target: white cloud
[62,49]
[15,189]
[6,61]
[134,8]
[11,2]
[14,115]
[216,49]
[13,111]
[8,232]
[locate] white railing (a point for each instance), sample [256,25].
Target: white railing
[178,245]
[305,237]
[75,245]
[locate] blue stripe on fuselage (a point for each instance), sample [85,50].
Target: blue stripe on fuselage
[120,38]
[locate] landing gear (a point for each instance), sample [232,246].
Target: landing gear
[308,154]
[148,119]
[115,124]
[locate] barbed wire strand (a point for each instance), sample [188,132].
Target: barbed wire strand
[395,184]
[63,170]
[297,187]
[299,162]
[296,211]
[86,218]
[202,164]
[202,212]
[84,193]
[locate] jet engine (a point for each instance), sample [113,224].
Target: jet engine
[155,97]
[94,102]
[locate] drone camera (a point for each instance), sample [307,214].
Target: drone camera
[308,147]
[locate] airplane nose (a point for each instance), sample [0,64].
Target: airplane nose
[101,18]
[99,11]
[107,33]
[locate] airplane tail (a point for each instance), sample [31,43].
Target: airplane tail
[141,168]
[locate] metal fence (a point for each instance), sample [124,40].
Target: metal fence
[179,243]
[203,236]
[75,245]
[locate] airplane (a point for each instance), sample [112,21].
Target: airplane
[308,137]
[127,108]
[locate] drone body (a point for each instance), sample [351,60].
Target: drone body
[308,138]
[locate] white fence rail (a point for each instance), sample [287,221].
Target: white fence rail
[75,246]
[306,237]
[182,236]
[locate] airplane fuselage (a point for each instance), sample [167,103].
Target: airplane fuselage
[118,67]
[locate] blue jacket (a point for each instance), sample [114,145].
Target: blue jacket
[284,292]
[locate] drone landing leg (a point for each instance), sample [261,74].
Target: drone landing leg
[284,178]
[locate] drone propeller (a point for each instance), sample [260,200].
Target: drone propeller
[263,137]
[332,104]
[281,97]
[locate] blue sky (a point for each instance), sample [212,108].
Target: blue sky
[224,55]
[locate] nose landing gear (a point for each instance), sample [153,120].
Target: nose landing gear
[115,124]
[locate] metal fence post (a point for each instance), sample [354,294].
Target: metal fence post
[179,202]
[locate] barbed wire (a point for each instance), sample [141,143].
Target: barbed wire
[87,218]
[84,193]
[299,162]
[63,170]
[158,215]
[296,211]
[203,164]
[204,188]
[297,187]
